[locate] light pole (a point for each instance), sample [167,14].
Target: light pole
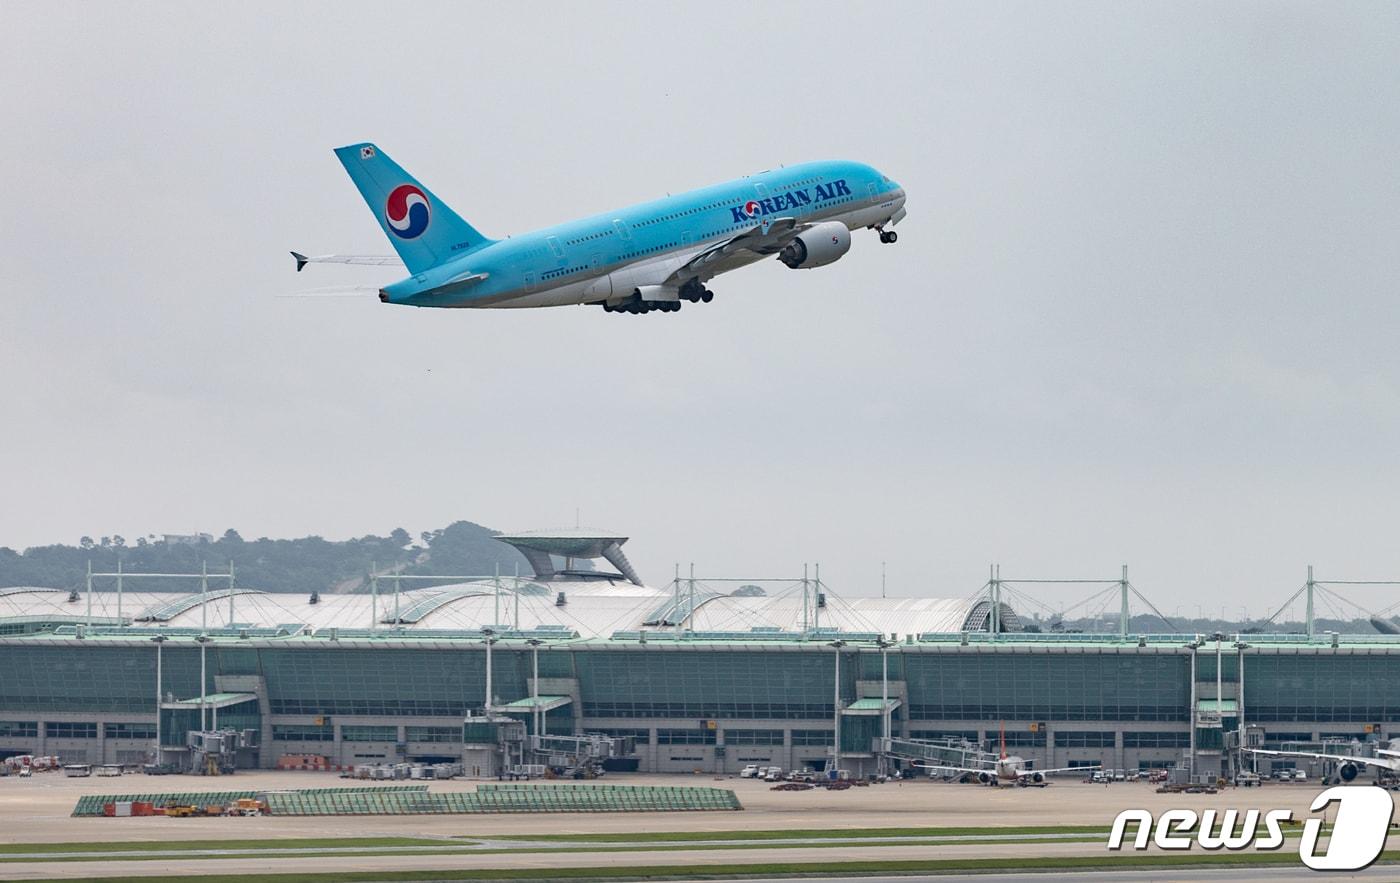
[490,639]
[158,640]
[535,682]
[884,701]
[203,643]
[1191,712]
[836,705]
[1239,705]
[1219,690]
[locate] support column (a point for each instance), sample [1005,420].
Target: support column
[1311,586]
[1123,614]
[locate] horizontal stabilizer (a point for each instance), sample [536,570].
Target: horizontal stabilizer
[365,260]
[334,291]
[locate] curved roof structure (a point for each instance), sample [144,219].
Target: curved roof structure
[592,609]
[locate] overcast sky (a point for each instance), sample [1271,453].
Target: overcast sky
[1144,308]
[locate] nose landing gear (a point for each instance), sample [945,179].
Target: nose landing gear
[889,237]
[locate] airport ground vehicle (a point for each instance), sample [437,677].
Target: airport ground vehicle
[749,772]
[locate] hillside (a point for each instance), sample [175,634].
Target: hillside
[307,564]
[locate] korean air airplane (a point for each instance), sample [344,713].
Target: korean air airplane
[646,257]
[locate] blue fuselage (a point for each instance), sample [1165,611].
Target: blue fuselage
[564,264]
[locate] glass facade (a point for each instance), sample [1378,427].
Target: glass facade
[436,734]
[303,732]
[19,729]
[1157,740]
[685,737]
[709,685]
[1363,688]
[398,682]
[119,679]
[1085,740]
[1064,687]
[753,737]
[754,693]
[370,734]
[1016,739]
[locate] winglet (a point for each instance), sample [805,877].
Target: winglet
[302,261]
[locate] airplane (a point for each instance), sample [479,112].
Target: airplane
[1350,765]
[1006,769]
[643,258]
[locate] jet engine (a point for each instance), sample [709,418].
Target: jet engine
[1348,771]
[1037,778]
[817,246]
[984,778]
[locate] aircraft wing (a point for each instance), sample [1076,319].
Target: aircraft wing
[367,260]
[1063,769]
[1384,763]
[954,769]
[768,237]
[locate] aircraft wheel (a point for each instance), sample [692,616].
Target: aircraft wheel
[889,237]
[707,295]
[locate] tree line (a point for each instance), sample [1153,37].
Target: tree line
[305,564]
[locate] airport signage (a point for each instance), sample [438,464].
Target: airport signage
[1357,838]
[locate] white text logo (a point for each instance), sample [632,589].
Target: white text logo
[1358,833]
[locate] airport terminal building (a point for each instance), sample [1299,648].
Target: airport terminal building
[704,675]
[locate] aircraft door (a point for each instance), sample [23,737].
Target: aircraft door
[874,192]
[531,281]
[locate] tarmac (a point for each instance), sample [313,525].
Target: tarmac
[36,810]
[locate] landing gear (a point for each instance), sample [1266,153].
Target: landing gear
[696,293]
[635,306]
[889,237]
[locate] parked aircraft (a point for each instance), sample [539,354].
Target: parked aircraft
[652,256]
[992,770]
[1349,766]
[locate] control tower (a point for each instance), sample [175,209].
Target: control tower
[538,545]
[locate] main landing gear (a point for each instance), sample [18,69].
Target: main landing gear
[696,293]
[635,305]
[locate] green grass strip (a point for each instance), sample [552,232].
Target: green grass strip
[272,843]
[165,855]
[805,833]
[796,869]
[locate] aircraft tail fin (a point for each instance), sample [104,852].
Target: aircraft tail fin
[421,227]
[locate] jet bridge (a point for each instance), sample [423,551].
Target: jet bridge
[938,752]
